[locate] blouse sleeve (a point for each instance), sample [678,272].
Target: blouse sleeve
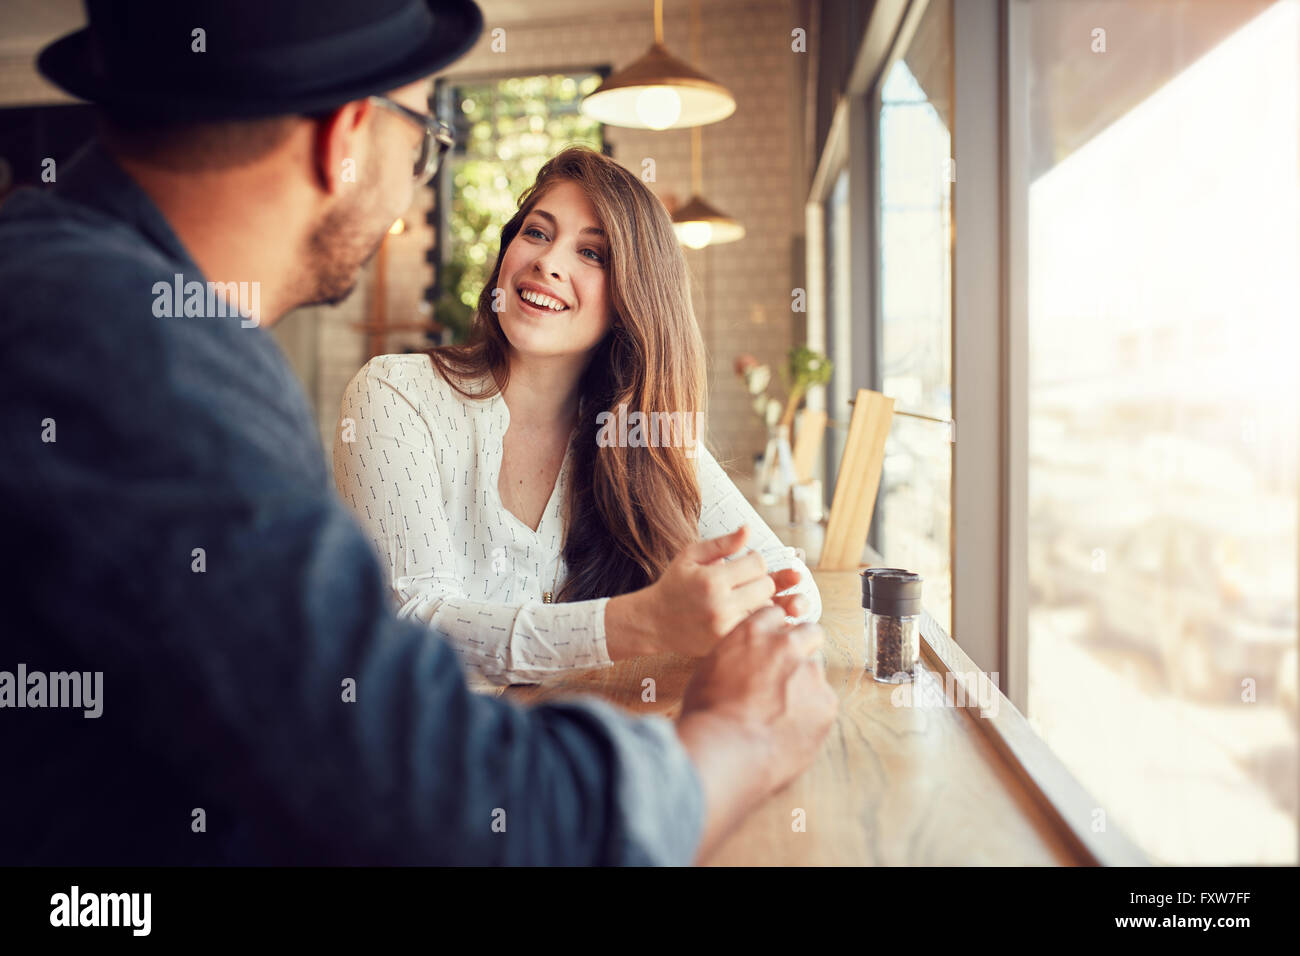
[723,509]
[388,474]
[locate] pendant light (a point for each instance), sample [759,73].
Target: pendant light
[659,91]
[699,223]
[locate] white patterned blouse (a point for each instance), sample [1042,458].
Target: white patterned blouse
[418,464]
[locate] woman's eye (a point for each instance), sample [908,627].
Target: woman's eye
[597,257]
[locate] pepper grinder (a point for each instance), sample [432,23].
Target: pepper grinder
[894,641]
[866,610]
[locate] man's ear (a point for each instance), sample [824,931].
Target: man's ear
[339,145]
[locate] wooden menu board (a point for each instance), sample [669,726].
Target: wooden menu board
[857,482]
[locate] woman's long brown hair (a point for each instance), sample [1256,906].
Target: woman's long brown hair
[628,511]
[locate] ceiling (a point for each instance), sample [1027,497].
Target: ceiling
[513,11]
[27,25]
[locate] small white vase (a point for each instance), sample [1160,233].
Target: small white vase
[776,473]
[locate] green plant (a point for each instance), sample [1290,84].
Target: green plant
[450,311]
[806,368]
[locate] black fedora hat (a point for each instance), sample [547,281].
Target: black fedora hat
[230,59]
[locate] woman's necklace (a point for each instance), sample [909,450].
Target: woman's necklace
[547,596]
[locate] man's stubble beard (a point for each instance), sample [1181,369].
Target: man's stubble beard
[346,239]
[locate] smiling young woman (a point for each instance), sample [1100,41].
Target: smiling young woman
[505,523]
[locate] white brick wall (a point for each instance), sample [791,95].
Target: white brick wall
[741,291]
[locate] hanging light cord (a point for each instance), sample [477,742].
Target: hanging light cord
[697,173]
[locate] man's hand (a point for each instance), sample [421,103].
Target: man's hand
[754,715]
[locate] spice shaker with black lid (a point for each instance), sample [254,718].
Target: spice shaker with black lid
[866,576]
[894,632]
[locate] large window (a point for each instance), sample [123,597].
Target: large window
[505,130]
[1161,190]
[915,307]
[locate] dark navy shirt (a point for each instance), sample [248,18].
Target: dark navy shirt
[167,519]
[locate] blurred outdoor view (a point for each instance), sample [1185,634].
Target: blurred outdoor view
[1163,427]
[916,308]
[506,129]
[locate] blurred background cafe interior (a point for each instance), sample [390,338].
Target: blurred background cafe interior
[1057,238]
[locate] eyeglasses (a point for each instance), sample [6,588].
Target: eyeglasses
[437,140]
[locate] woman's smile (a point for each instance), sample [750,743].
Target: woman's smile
[538,302]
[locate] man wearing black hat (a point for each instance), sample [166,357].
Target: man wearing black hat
[170,528]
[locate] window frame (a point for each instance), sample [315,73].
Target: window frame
[837,159]
[1013,37]
[911,21]
[989,362]
[988,335]
[850,147]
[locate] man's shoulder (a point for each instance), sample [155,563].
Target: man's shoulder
[34,225]
[57,257]
[88,309]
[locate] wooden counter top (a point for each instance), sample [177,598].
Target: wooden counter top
[905,777]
